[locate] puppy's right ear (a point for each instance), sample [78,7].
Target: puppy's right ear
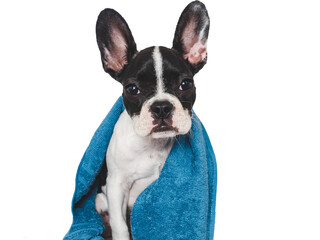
[115,41]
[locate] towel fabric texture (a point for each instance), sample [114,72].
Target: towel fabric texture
[180,204]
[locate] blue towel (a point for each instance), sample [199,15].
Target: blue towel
[178,205]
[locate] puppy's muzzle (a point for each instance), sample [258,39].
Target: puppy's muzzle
[162,114]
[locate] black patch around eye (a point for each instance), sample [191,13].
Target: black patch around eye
[186,84]
[132,89]
[186,93]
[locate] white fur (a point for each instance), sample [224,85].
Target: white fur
[134,162]
[157,58]
[101,203]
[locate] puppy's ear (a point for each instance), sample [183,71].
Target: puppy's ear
[115,41]
[191,35]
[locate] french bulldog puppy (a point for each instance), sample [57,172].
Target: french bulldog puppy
[158,95]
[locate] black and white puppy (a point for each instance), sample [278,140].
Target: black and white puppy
[158,95]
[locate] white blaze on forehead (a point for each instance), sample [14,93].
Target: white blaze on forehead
[158,66]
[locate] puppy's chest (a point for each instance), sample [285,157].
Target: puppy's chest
[148,163]
[133,156]
[136,163]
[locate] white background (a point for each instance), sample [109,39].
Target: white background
[258,97]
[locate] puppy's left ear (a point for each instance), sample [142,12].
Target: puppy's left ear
[191,35]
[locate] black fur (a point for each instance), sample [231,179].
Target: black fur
[102,176]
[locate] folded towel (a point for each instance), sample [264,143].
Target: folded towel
[178,205]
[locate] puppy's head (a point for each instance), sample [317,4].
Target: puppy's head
[158,86]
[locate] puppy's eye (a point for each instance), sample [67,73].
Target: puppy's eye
[186,84]
[132,89]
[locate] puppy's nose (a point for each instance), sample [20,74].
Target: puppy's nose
[161,110]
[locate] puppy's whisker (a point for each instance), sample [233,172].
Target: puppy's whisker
[178,142]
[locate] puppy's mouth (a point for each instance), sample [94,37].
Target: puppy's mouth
[163,127]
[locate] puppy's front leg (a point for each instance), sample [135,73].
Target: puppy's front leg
[117,194]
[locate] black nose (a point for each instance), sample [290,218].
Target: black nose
[161,110]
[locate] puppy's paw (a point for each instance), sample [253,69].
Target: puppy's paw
[101,203]
[123,235]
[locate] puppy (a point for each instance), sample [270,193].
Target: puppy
[158,95]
